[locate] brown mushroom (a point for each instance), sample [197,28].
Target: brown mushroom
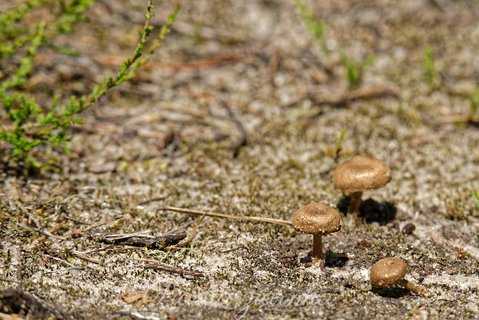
[390,272]
[318,220]
[359,174]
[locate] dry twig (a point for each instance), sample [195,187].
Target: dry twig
[154,199]
[71,265]
[273,66]
[358,94]
[81,256]
[230,217]
[141,239]
[207,62]
[460,118]
[156,265]
[8,280]
[15,301]
[243,138]
[350,97]
[138,316]
[191,234]
[37,227]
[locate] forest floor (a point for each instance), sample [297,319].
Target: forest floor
[241,112]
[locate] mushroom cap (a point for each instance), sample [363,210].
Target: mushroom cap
[387,272]
[361,173]
[316,218]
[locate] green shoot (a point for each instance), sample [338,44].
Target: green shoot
[339,145]
[354,69]
[475,196]
[474,105]
[12,32]
[315,26]
[429,65]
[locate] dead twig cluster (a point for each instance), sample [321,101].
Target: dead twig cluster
[26,305]
[141,240]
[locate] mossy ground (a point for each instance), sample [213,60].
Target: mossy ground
[258,58]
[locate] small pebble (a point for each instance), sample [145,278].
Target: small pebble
[408,228]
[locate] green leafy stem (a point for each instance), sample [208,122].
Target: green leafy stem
[29,125]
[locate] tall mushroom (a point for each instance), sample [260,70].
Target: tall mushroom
[389,272]
[318,220]
[359,174]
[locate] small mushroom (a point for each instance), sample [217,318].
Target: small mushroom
[390,272]
[318,220]
[359,174]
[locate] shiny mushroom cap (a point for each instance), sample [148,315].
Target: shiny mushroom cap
[387,272]
[361,173]
[316,218]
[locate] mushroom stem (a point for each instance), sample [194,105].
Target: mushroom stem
[355,202]
[317,255]
[414,287]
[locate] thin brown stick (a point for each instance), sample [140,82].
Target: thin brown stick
[243,136]
[273,66]
[8,280]
[207,62]
[76,221]
[41,231]
[358,94]
[71,265]
[103,223]
[191,234]
[154,199]
[81,256]
[37,227]
[95,225]
[460,118]
[349,97]
[154,264]
[230,217]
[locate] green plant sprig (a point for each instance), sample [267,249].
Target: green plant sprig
[429,65]
[355,69]
[31,125]
[19,77]
[9,19]
[474,107]
[13,35]
[475,196]
[313,24]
